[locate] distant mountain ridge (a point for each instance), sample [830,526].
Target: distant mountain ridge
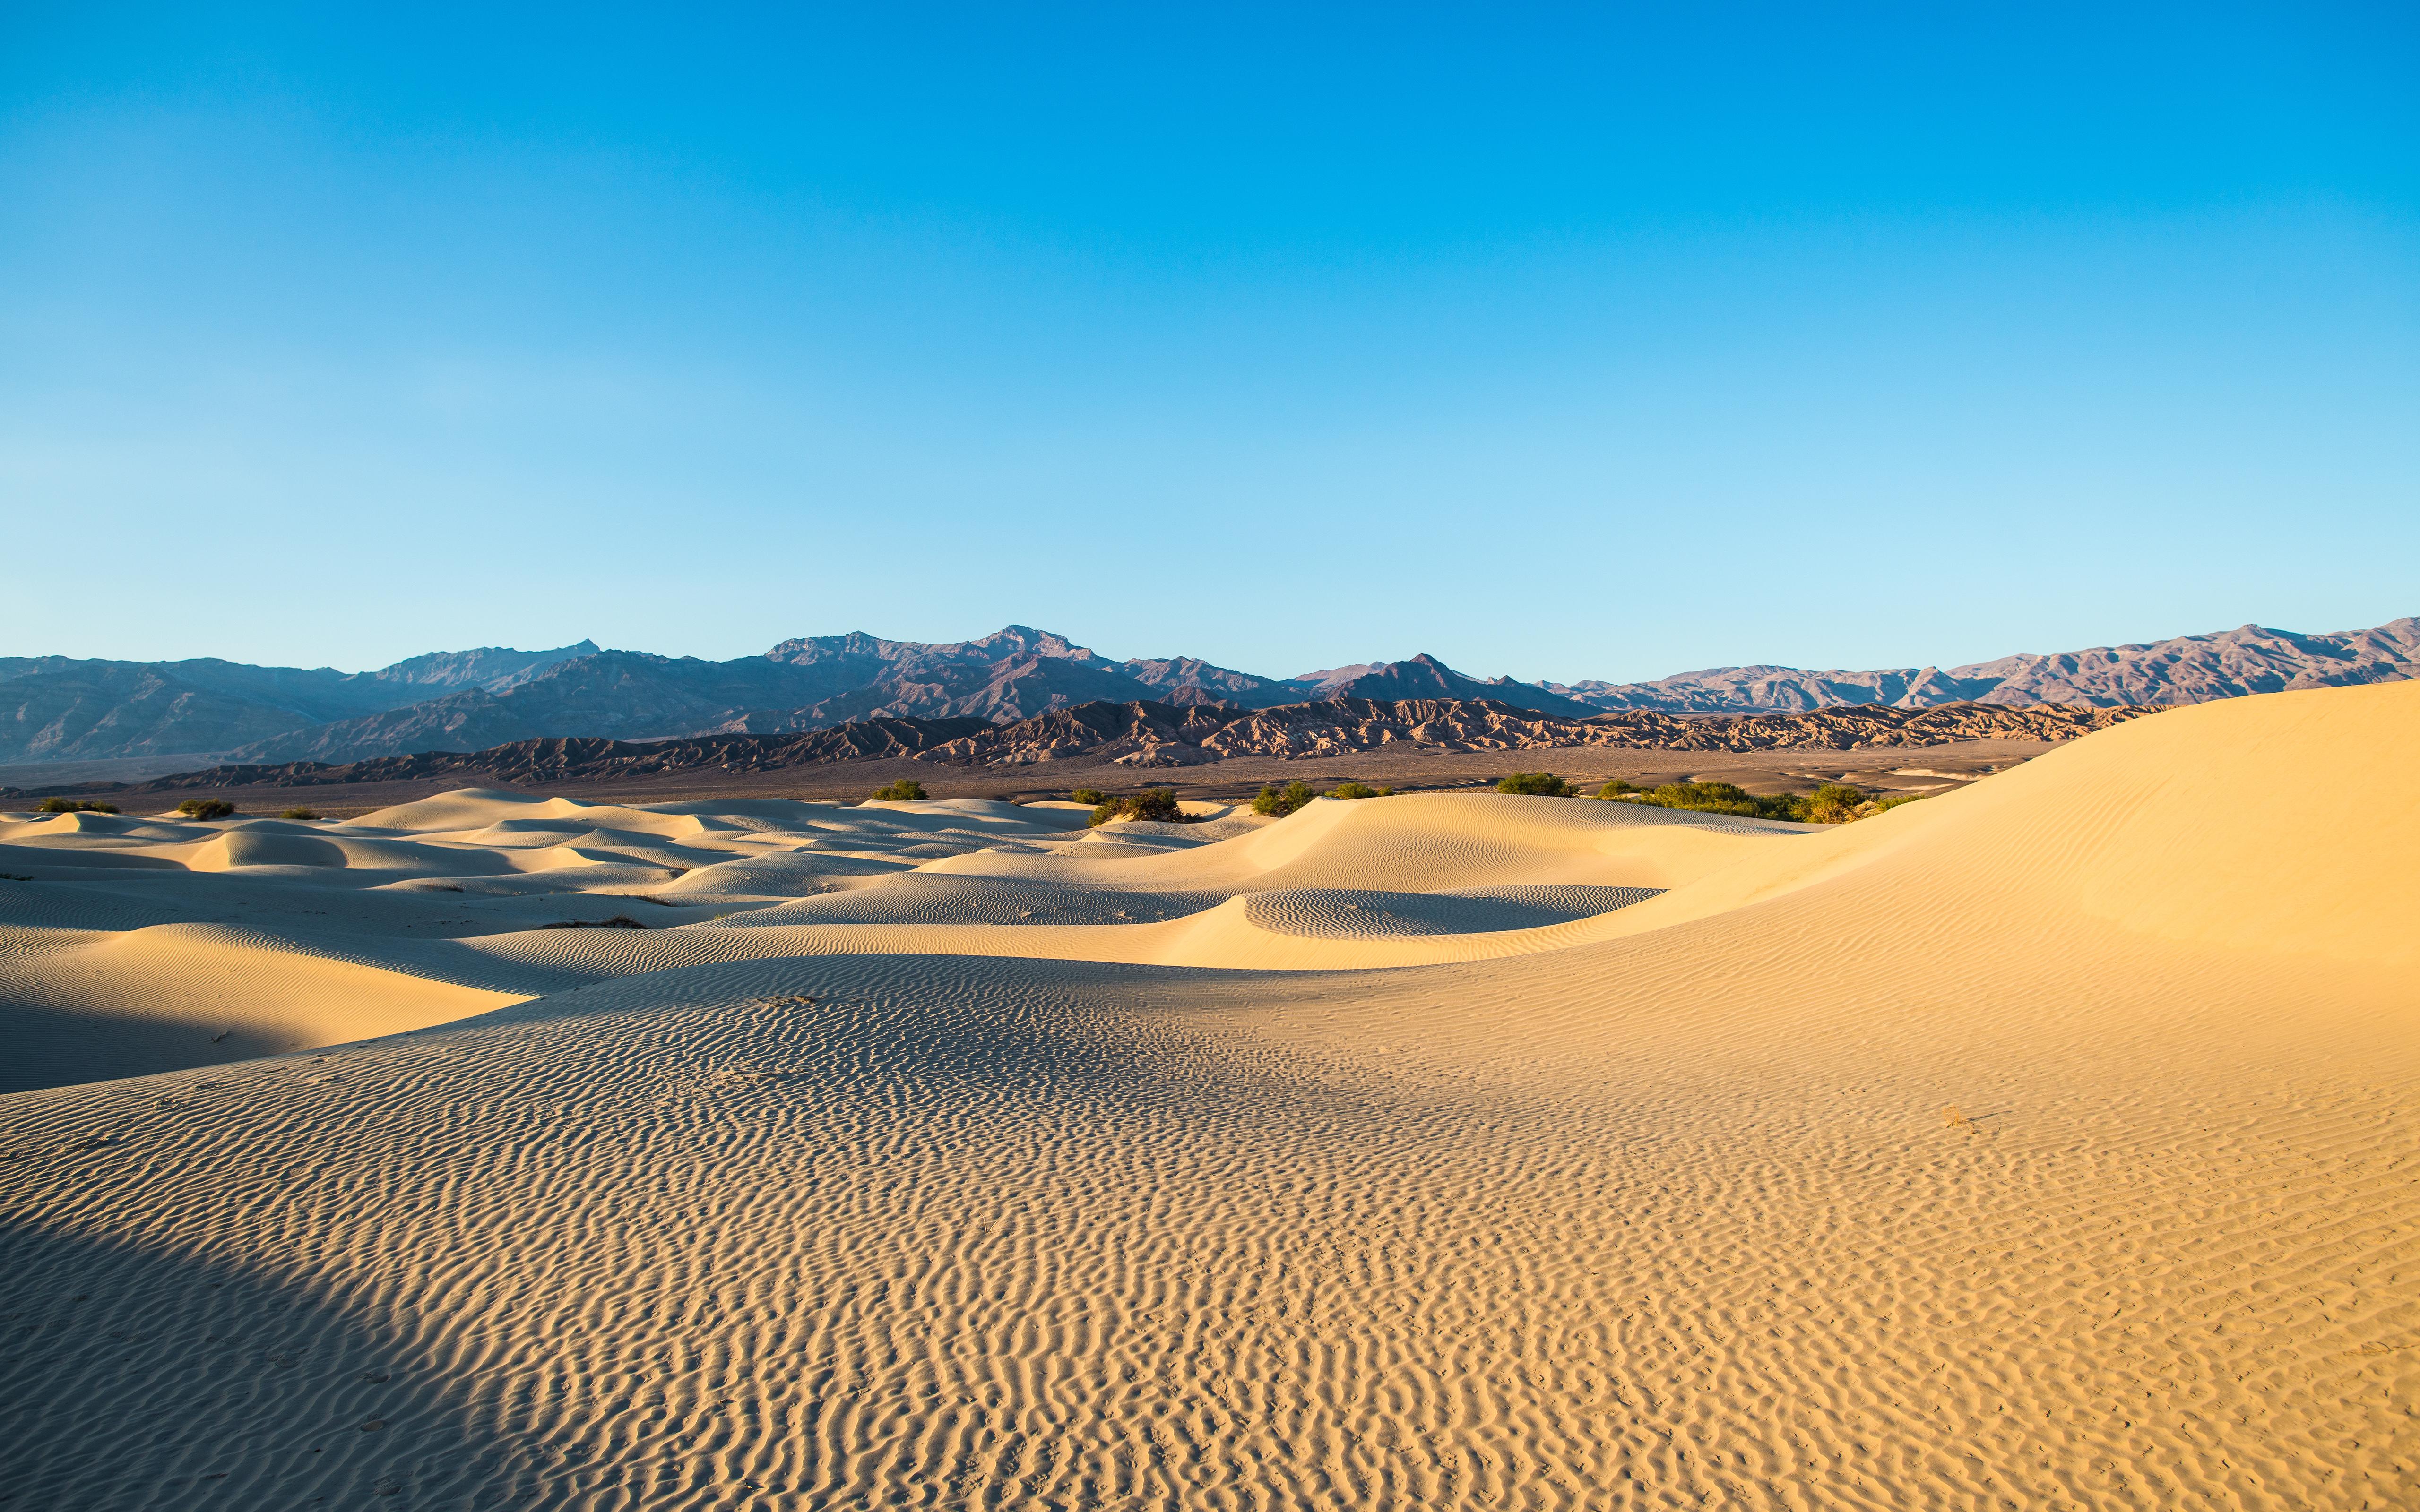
[2192,668]
[1425,677]
[56,708]
[62,708]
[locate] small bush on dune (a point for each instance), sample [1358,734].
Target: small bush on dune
[297,813]
[1721,797]
[1280,802]
[77,806]
[1092,795]
[1537,785]
[1352,790]
[906,790]
[1157,805]
[1831,803]
[206,808]
[1616,788]
[618,921]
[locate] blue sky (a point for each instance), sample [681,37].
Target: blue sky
[1584,342]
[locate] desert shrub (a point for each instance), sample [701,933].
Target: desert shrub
[297,813]
[906,790]
[1157,805]
[1616,788]
[206,808]
[1831,803]
[1723,797]
[618,921]
[1537,785]
[1092,795]
[1352,790]
[1886,805]
[77,806]
[1283,801]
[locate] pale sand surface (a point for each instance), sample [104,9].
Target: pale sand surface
[1435,1150]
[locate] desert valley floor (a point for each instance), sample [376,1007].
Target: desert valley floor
[2052,1143]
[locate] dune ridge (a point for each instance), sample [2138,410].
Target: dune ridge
[2045,1144]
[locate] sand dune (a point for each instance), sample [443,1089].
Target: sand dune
[2048,1143]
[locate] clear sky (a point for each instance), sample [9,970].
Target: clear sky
[1564,341]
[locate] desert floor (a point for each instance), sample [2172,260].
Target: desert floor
[2050,1143]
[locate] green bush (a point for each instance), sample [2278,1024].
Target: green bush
[1157,805]
[206,808]
[1537,785]
[1616,788]
[77,806]
[1092,795]
[1722,798]
[906,790]
[297,813]
[1352,790]
[1831,803]
[1283,801]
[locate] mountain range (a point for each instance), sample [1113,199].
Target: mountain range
[58,708]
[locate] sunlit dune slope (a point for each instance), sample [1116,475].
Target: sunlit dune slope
[2271,824]
[81,1014]
[2046,1145]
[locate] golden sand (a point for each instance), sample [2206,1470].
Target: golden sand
[2048,1144]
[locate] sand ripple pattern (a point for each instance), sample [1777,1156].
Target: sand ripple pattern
[848,1233]
[1337,913]
[940,898]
